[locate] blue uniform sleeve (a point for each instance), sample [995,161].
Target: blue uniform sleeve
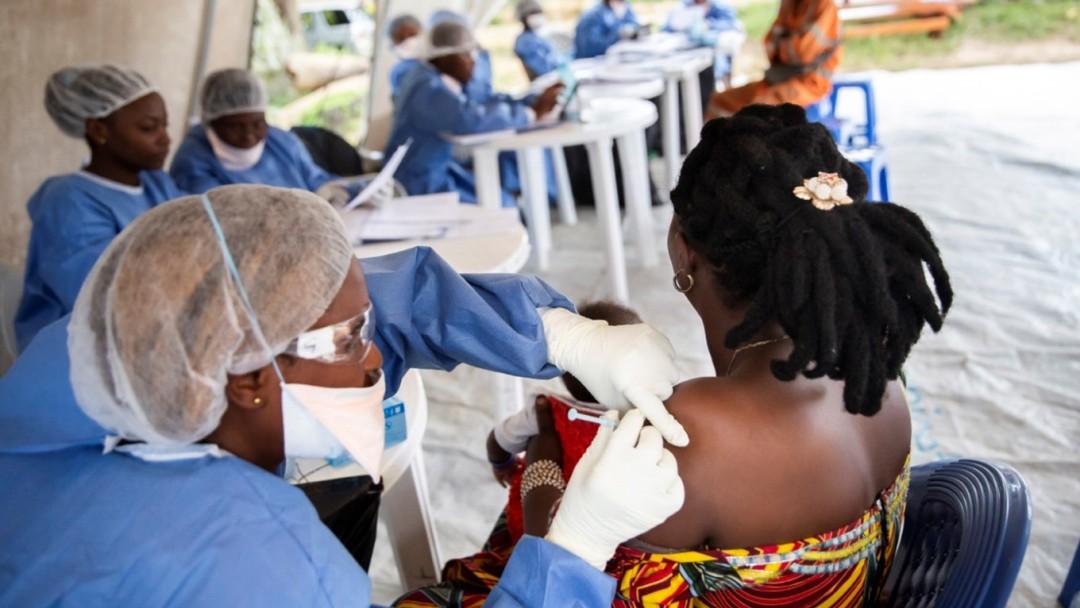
[542,574]
[445,112]
[428,316]
[721,18]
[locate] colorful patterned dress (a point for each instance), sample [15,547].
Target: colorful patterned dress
[840,568]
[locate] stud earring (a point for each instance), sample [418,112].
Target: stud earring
[258,400]
[680,288]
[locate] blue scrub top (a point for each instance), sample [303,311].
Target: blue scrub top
[426,110]
[537,53]
[598,29]
[79,527]
[397,74]
[74,217]
[285,162]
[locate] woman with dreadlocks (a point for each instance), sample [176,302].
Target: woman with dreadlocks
[797,468]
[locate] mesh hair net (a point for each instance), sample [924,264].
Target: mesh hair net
[231,91]
[401,21]
[160,322]
[449,38]
[74,94]
[525,8]
[442,15]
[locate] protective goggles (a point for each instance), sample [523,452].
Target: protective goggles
[349,341]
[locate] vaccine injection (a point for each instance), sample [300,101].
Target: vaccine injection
[574,414]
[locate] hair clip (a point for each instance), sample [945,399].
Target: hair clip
[826,191]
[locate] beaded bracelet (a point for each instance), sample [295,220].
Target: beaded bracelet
[541,473]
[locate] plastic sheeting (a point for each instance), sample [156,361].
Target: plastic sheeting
[987,156]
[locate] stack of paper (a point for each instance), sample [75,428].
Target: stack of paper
[425,217]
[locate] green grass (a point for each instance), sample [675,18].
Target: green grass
[993,22]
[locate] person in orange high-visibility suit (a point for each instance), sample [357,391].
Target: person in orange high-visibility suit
[803,46]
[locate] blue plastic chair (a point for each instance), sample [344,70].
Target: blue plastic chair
[1070,591]
[857,139]
[965,533]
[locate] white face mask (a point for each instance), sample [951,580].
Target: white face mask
[335,424]
[536,22]
[231,157]
[618,7]
[408,48]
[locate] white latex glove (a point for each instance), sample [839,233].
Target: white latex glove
[383,194]
[513,432]
[335,193]
[626,484]
[622,366]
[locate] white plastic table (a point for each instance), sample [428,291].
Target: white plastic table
[613,120]
[675,68]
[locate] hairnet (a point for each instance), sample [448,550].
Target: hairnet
[93,91]
[160,322]
[231,91]
[525,8]
[449,38]
[401,21]
[442,15]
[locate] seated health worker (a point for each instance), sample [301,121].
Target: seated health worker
[534,50]
[433,104]
[235,145]
[406,40]
[811,298]
[602,26]
[154,484]
[803,47]
[710,23]
[123,119]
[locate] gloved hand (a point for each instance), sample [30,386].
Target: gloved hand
[383,194]
[626,484]
[621,366]
[335,193]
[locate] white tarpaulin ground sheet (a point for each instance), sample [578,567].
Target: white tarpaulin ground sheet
[988,156]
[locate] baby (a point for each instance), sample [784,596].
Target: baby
[509,437]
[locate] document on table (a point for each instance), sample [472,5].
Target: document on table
[425,217]
[382,179]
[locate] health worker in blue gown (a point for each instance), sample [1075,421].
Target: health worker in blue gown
[602,26]
[74,216]
[235,145]
[406,43]
[534,50]
[204,352]
[433,104]
[709,23]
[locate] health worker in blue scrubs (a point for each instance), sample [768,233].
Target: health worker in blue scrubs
[534,50]
[235,145]
[602,26]
[203,353]
[433,104]
[123,120]
[406,40]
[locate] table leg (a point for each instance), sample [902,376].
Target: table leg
[406,511]
[693,114]
[602,167]
[567,208]
[534,193]
[488,186]
[509,393]
[633,158]
[669,122]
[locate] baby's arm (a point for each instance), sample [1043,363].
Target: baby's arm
[503,463]
[508,438]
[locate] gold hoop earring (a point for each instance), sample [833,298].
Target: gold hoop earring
[680,288]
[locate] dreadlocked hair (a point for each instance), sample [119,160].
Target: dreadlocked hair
[847,285]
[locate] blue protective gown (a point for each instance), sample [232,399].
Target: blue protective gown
[719,17]
[397,74]
[82,528]
[74,217]
[285,162]
[426,110]
[599,28]
[537,54]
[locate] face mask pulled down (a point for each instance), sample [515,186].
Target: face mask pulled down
[335,424]
[231,157]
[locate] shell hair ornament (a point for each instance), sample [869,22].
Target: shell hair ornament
[826,191]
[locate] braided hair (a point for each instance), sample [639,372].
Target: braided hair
[847,285]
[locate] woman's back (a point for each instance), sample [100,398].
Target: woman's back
[771,462]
